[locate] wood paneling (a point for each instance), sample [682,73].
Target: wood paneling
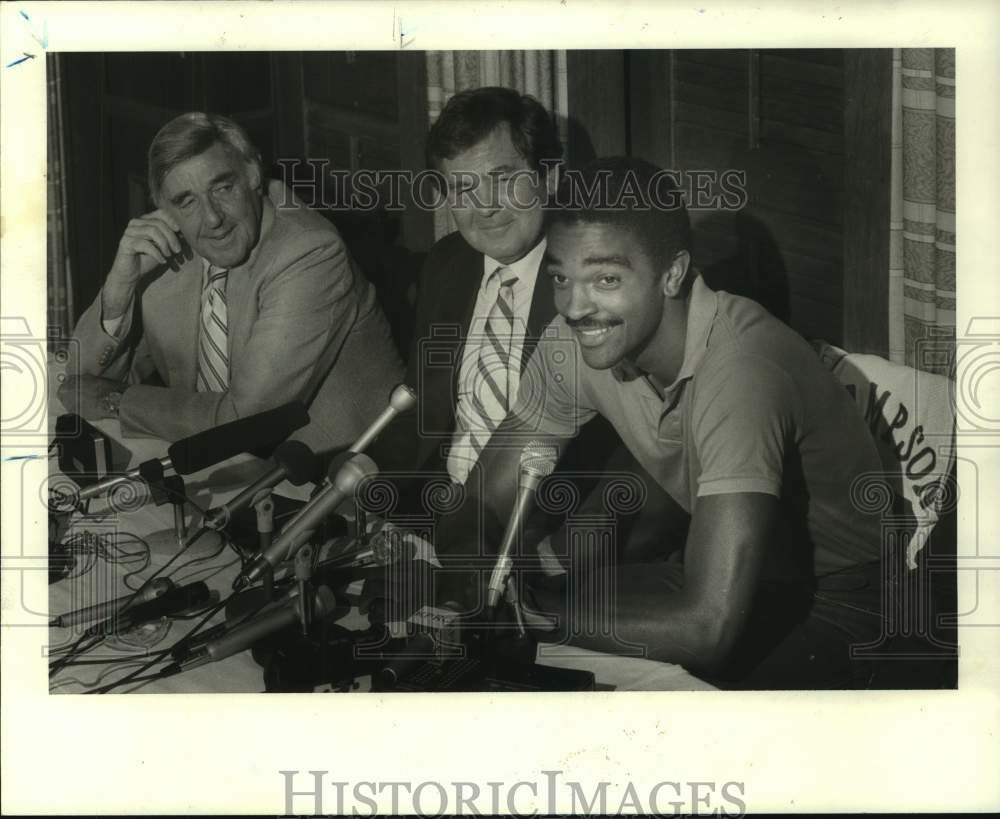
[867,136]
[85,179]
[650,79]
[367,111]
[778,116]
[597,105]
[289,113]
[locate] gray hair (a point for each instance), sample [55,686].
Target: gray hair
[190,135]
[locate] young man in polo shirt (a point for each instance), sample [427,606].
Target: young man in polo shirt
[734,416]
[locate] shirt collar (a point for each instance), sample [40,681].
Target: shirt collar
[525,268]
[702,309]
[701,315]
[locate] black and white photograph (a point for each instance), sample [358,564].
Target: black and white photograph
[499,379]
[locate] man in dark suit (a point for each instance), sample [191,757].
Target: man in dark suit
[230,298]
[482,307]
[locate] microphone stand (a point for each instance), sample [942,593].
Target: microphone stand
[303,573]
[514,601]
[263,505]
[170,489]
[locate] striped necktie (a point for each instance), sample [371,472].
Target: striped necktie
[488,398]
[213,341]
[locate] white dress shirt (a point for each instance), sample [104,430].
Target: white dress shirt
[526,271]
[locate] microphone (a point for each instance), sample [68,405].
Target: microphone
[108,609]
[205,449]
[274,617]
[402,399]
[150,471]
[294,461]
[170,602]
[386,547]
[264,429]
[344,477]
[537,462]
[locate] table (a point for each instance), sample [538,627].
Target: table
[238,673]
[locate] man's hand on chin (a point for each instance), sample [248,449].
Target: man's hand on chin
[90,396]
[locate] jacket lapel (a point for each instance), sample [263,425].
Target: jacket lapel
[459,302]
[241,285]
[186,317]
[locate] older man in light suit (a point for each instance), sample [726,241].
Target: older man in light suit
[229,299]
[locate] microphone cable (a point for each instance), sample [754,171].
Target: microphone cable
[77,649]
[107,547]
[74,650]
[161,655]
[132,658]
[85,684]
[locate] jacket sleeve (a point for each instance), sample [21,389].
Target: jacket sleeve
[308,304]
[96,352]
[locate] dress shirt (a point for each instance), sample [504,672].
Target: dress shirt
[526,271]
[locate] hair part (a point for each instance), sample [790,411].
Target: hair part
[633,195]
[189,135]
[471,116]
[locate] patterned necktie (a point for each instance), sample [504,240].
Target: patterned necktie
[488,398]
[213,342]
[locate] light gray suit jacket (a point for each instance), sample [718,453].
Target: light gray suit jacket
[304,324]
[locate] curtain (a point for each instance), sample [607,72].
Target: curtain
[922,213]
[542,74]
[60,290]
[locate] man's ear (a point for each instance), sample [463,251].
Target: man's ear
[254,176]
[675,275]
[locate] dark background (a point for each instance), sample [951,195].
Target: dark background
[809,127]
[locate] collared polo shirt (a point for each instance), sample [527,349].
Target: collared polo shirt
[752,410]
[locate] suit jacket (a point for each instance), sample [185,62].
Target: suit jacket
[446,297]
[303,323]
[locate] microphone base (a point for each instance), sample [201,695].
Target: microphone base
[493,662]
[327,657]
[165,543]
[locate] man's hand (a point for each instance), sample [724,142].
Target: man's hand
[149,241]
[87,395]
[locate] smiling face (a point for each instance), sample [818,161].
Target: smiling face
[495,197]
[215,198]
[609,291]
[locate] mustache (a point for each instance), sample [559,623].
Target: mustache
[591,324]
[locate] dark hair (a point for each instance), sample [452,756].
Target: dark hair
[470,116]
[632,194]
[190,135]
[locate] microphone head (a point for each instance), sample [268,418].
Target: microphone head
[403,398]
[538,460]
[299,462]
[345,475]
[212,446]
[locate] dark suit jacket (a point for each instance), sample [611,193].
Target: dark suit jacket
[449,288]
[446,297]
[303,323]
